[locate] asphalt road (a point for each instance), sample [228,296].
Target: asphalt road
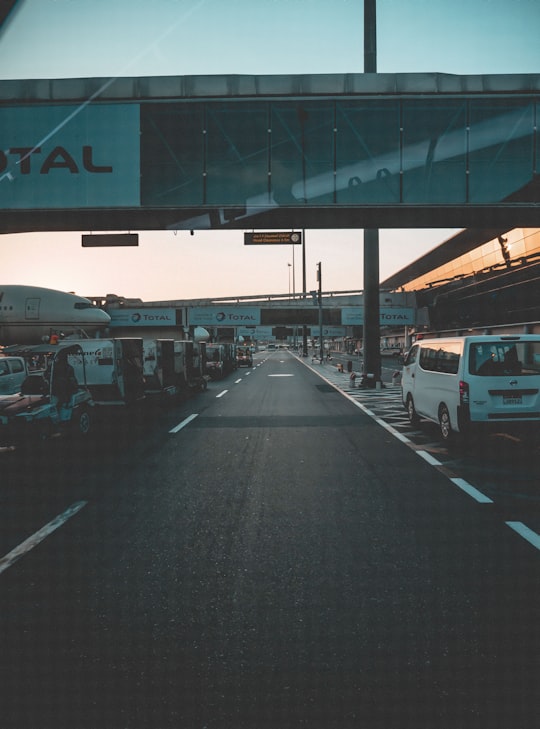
[264,555]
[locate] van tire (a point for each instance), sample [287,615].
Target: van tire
[411,411]
[444,423]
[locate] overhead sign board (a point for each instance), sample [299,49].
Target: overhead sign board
[104,240]
[255,332]
[224,316]
[388,316]
[145,317]
[272,238]
[329,331]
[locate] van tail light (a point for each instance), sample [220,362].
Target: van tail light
[463,393]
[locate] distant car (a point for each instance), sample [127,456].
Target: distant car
[391,352]
[244,358]
[385,352]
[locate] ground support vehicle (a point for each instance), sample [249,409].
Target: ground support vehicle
[231,363]
[51,400]
[474,383]
[190,360]
[172,368]
[161,377]
[244,358]
[220,360]
[114,370]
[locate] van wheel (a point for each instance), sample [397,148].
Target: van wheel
[411,411]
[444,423]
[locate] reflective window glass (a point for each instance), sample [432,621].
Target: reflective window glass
[368,155]
[500,149]
[434,152]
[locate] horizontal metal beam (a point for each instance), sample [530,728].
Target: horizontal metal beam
[502,215]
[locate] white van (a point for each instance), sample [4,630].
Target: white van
[12,374]
[461,382]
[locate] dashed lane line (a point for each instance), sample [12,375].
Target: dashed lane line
[183,423]
[471,490]
[39,536]
[524,531]
[429,458]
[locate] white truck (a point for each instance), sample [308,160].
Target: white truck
[190,359]
[172,367]
[114,370]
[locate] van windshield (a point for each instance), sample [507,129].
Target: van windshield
[505,358]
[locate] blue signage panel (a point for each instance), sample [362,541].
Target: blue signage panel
[388,316]
[144,317]
[70,156]
[262,332]
[225,316]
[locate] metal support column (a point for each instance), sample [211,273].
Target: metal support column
[371,373]
[304,327]
[319,279]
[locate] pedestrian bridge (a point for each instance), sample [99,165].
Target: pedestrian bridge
[315,151]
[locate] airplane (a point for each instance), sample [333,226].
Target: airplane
[32,314]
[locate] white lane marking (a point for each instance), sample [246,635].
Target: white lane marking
[183,423]
[391,430]
[238,380]
[471,490]
[524,531]
[224,392]
[248,373]
[429,458]
[400,436]
[39,536]
[280,375]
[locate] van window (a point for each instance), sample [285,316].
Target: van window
[4,369]
[411,356]
[443,358]
[505,358]
[17,365]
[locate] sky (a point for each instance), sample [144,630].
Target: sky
[110,38]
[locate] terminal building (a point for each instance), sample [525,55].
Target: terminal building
[480,280]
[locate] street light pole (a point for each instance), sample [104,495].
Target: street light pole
[295,329]
[304,328]
[319,279]
[289,269]
[293,274]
